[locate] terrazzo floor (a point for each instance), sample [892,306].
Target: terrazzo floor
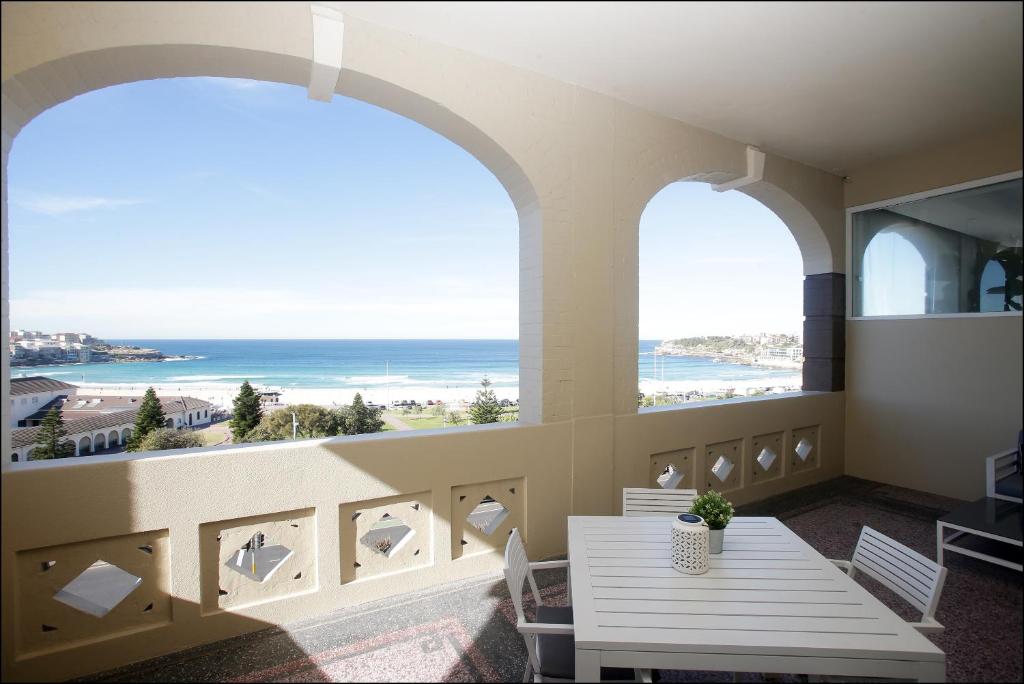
[466,631]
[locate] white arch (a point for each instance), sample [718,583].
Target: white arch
[84,445]
[99,442]
[113,439]
[184,48]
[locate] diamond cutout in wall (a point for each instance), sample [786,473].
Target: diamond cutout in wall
[98,589]
[766,458]
[388,535]
[257,561]
[723,466]
[670,478]
[488,515]
[803,449]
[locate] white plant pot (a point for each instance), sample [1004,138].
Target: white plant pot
[715,539]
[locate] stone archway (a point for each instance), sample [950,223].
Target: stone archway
[183,44]
[824,303]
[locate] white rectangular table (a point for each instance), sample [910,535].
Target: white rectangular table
[769,603]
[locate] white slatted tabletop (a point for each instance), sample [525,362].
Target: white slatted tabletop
[769,603]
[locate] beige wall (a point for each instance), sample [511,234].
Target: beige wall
[996,152]
[580,168]
[929,399]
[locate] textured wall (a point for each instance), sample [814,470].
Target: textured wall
[579,167]
[929,399]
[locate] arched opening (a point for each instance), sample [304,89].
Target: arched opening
[84,446]
[169,423]
[100,443]
[203,60]
[895,277]
[443,273]
[720,298]
[112,440]
[126,434]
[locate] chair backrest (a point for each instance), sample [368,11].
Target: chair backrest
[639,501]
[517,569]
[914,577]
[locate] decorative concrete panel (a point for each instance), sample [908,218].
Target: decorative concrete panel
[92,591]
[673,469]
[723,466]
[384,536]
[805,449]
[253,560]
[766,457]
[484,514]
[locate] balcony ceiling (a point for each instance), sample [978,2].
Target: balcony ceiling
[834,85]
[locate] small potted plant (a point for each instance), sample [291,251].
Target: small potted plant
[717,512]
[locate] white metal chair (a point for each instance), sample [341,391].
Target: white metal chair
[640,501]
[549,641]
[1003,476]
[917,579]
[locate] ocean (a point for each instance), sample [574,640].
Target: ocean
[365,365]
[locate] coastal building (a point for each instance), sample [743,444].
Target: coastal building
[95,423]
[96,434]
[179,411]
[770,354]
[33,395]
[584,112]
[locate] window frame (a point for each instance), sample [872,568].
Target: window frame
[881,204]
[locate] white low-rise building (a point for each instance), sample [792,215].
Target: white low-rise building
[99,423]
[31,395]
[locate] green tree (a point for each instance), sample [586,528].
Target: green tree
[169,438]
[51,438]
[361,419]
[454,418]
[313,421]
[150,417]
[437,409]
[485,408]
[247,413]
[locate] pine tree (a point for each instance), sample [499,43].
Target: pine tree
[485,408]
[362,419]
[247,412]
[51,438]
[150,417]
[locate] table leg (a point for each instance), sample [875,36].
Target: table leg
[939,535]
[588,665]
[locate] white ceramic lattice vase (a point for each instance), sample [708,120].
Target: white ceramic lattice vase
[690,544]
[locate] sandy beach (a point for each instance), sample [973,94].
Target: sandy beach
[222,394]
[648,386]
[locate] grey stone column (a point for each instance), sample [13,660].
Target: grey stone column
[825,332]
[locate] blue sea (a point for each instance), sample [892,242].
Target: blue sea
[362,364]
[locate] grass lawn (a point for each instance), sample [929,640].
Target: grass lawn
[423,422]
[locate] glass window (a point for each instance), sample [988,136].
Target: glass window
[958,252]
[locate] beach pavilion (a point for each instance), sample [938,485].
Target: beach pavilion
[849,121]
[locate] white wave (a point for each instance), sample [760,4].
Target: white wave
[374,379]
[190,358]
[211,378]
[46,373]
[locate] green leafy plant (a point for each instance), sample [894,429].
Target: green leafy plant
[1010,259]
[714,508]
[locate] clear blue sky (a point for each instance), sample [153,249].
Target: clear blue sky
[203,207]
